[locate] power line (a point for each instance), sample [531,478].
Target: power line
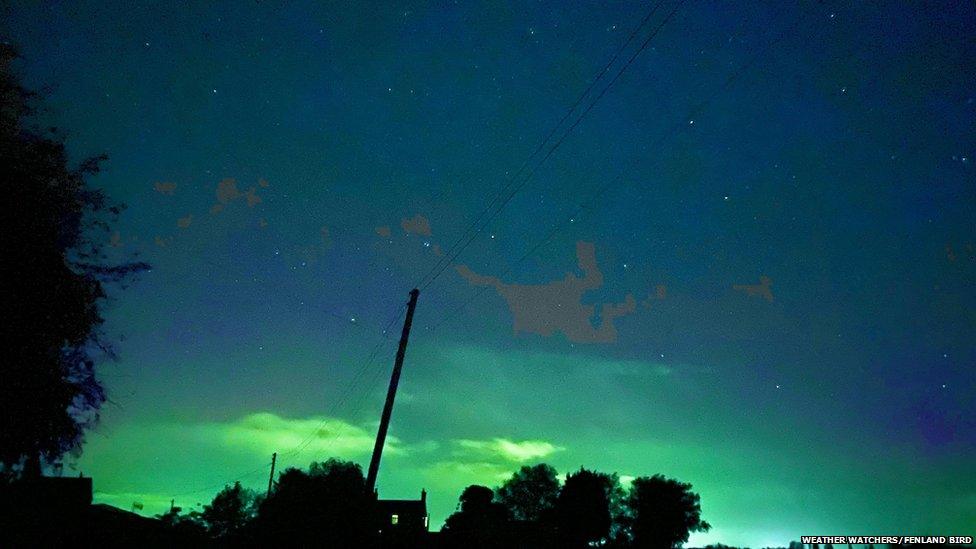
[448,257]
[565,135]
[239,476]
[603,189]
[353,383]
[307,440]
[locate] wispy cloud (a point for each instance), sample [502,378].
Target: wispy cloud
[266,432]
[507,450]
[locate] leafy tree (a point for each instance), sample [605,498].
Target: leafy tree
[185,526]
[663,512]
[531,493]
[54,271]
[479,522]
[329,502]
[582,511]
[229,512]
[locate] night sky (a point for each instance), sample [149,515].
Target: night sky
[750,266]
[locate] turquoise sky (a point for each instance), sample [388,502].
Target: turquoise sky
[750,266]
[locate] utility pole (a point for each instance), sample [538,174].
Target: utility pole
[374,463]
[274,457]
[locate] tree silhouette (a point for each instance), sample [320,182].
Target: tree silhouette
[183,526]
[54,271]
[230,511]
[330,502]
[663,512]
[582,511]
[479,522]
[531,493]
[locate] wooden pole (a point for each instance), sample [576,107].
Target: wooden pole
[374,463]
[274,457]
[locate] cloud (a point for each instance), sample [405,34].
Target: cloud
[557,306]
[763,289]
[383,231]
[418,224]
[165,187]
[184,222]
[267,432]
[252,198]
[163,242]
[507,450]
[488,461]
[227,192]
[660,294]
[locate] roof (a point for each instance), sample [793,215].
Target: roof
[403,506]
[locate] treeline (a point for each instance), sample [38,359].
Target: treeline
[532,508]
[328,505]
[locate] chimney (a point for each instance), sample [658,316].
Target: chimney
[423,495]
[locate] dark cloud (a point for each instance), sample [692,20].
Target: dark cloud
[557,306]
[165,187]
[184,222]
[763,289]
[252,198]
[660,293]
[228,192]
[418,224]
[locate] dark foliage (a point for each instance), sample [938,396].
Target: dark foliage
[54,269]
[479,522]
[329,502]
[531,493]
[230,512]
[662,512]
[583,509]
[188,526]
